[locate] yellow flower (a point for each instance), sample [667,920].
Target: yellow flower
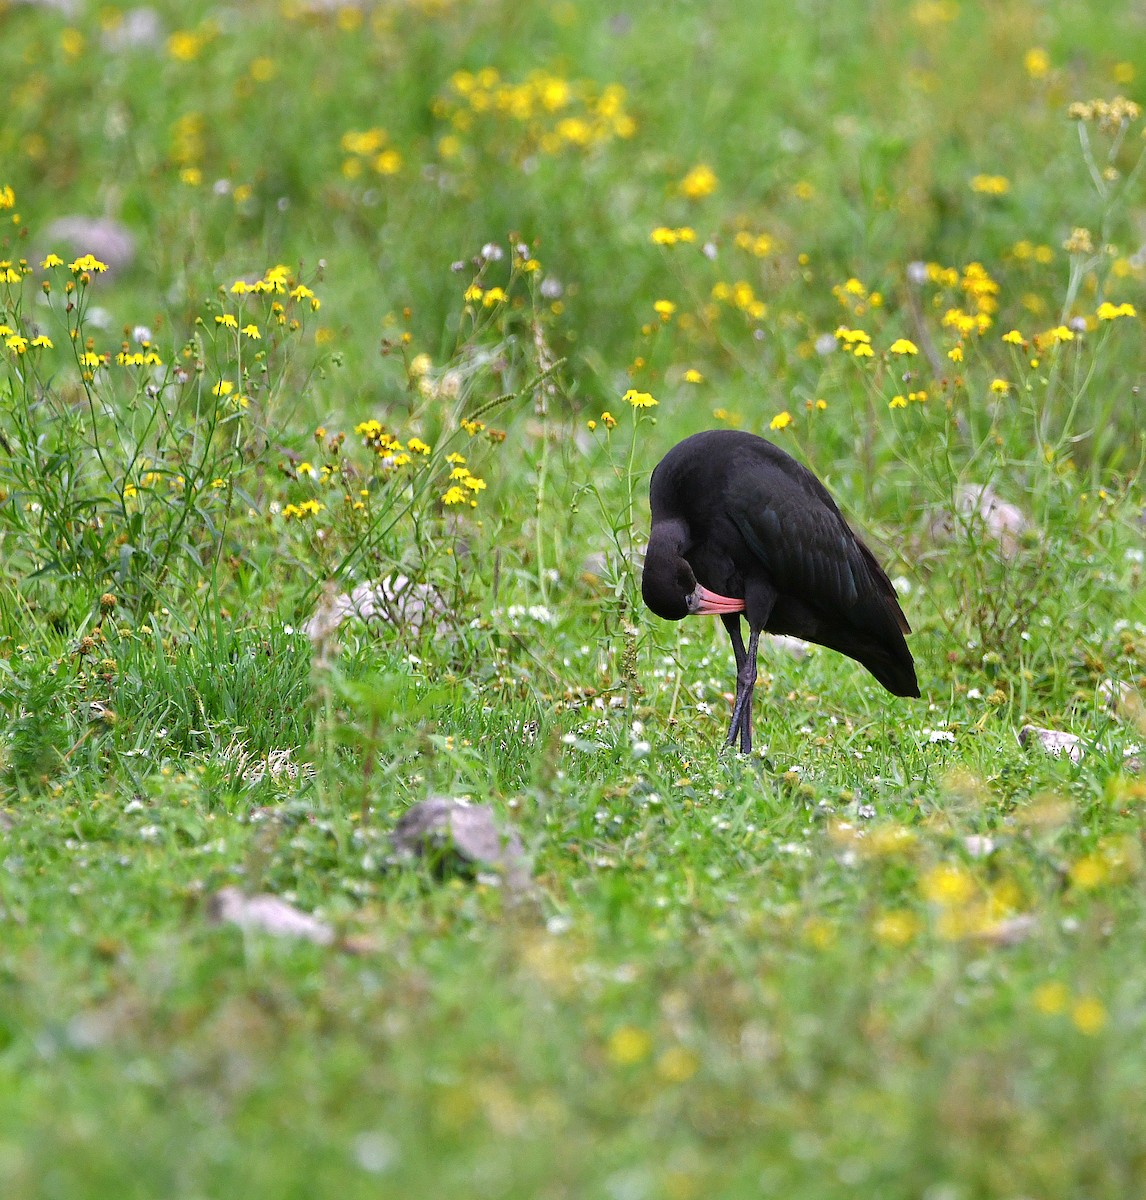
[677,1065]
[701,181]
[780,420]
[87,262]
[1014,337]
[389,162]
[8,198]
[692,375]
[252,331]
[17,343]
[1079,242]
[991,185]
[90,359]
[223,388]
[1037,62]
[473,292]
[53,260]
[1088,1015]
[43,342]
[1000,387]
[628,1046]
[228,320]
[493,295]
[948,885]
[608,420]
[897,402]
[453,495]
[638,399]
[903,346]
[456,458]
[417,446]
[1050,998]
[664,309]
[1111,312]
[474,483]
[896,928]
[955,354]
[185,45]
[1089,872]
[863,350]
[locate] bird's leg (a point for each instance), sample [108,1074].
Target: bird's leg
[745,682]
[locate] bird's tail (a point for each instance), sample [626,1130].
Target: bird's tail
[893,666]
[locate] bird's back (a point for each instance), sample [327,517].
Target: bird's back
[750,504]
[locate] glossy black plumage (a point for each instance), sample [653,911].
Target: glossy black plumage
[740,527]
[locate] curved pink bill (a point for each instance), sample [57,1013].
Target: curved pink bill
[712,602]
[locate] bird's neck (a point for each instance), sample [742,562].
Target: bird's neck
[668,539]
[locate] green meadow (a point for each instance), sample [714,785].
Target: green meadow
[411,296]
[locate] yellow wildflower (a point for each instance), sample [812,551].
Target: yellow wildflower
[453,495]
[781,420]
[701,181]
[897,402]
[692,375]
[1110,312]
[991,185]
[608,420]
[903,346]
[1000,387]
[896,928]
[955,354]
[87,262]
[416,446]
[628,1046]
[53,260]
[1051,998]
[638,399]
[664,309]
[1037,62]
[1088,1015]
[223,388]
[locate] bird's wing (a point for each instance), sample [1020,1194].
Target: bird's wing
[791,524]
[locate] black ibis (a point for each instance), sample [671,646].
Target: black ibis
[740,527]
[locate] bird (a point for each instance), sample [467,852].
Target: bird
[741,529]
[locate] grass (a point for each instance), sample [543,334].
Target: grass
[897,951]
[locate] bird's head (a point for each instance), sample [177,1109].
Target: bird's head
[669,587]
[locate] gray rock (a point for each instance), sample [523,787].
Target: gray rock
[266,914]
[395,599]
[1053,741]
[463,837]
[980,508]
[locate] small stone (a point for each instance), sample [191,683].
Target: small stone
[395,599]
[1053,741]
[463,837]
[266,914]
